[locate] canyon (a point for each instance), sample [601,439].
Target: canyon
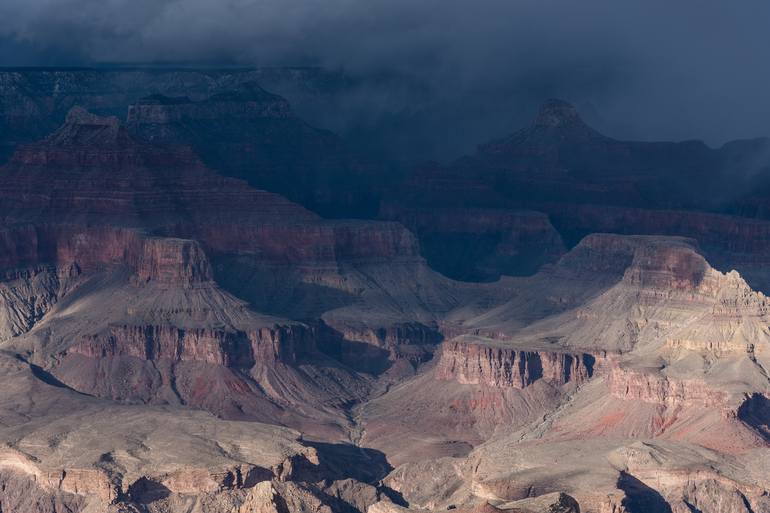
[209,305]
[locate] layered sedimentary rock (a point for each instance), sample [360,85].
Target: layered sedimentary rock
[92,167]
[168,215]
[139,225]
[140,287]
[547,503]
[729,241]
[586,182]
[92,172]
[650,387]
[173,261]
[319,242]
[477,363]
[660,424]
[208,345]
[399,348]
[74,250]
[471,389]
[251,134]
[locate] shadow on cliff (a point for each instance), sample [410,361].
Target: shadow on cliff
[46,377]
[640,498]
[357,355]
[345,462]
[755,412]
[277,291]
[480,257]
[145,490]
[348,461]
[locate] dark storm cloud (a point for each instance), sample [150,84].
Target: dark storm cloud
[646,69]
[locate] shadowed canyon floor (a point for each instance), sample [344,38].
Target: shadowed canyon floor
[174,339]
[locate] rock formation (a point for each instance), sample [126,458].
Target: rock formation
[254,135]
[585,182]
[651,420]
[174,339]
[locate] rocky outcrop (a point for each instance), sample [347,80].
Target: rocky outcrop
[27,295]
[377,349]
[90,248]
[729,242]
[731,234]
[251,134]
[208,345]
[323,242]
[20,492]
[718,496]
[274,374]
[479,363]
[35,101]
[238,127]
[93,170]
[670,265]
[173,261]
[27,486]
[586,183]
[652,387]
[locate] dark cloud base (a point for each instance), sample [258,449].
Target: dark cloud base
[643,70]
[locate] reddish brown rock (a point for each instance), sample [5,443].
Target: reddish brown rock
[207,345]
[174,261]
[88,183]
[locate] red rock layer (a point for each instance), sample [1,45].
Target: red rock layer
[92,173]
[174,261]
[208,345]
[89,248]
[119,180]
[307,243]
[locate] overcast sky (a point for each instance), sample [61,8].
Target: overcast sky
[648,69]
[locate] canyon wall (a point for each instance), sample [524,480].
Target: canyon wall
[478,363]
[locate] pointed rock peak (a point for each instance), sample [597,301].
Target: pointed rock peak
[558,113]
